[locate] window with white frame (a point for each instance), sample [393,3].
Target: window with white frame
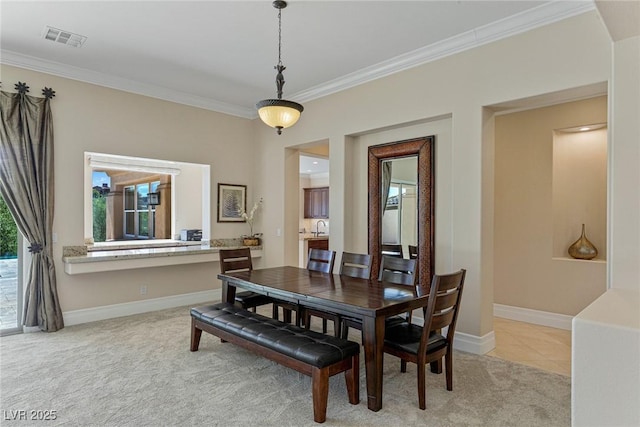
[139,215]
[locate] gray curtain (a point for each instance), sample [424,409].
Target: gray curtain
[26,184]
[386,183]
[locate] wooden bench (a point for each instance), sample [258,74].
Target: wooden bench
[311,353]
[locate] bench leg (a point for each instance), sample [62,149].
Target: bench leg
[320,392]
[195,335]
[352,378]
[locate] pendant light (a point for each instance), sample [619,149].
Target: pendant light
[279,113]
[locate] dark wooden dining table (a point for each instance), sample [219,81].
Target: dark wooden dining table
[367,300]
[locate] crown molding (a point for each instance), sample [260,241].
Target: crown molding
[543,15]
[119,83]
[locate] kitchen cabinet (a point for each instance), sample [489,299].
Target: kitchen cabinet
[316,202]
[318,244]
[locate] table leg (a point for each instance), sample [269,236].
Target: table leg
[373,342]
[228,292]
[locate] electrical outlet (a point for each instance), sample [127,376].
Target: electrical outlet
[143,289]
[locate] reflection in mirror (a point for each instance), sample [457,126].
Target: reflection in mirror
[130,199]
[401,203]
[130,205]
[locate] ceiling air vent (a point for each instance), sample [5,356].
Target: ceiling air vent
[65,37]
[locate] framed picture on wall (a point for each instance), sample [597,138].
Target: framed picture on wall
[232,200]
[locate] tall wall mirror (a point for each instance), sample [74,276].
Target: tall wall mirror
[401,202]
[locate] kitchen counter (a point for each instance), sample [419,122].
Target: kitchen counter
[311,236]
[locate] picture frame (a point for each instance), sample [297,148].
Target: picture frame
[232,200]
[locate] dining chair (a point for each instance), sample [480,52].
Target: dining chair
[425,344]
[399,271]
[232,260]
[413,251]
[392,250]
[322,260]
[413,254]
[356,265]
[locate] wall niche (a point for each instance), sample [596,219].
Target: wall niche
[579,194]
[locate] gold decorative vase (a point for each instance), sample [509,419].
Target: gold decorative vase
[583,248]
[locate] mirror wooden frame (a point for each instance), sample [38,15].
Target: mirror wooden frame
[424,148]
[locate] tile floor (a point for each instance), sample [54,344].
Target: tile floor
[534,345]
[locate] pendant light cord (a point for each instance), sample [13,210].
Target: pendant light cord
[279,36]
[280,68]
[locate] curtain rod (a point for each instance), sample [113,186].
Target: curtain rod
[23,89]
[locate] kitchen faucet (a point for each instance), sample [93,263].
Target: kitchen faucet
[318,224]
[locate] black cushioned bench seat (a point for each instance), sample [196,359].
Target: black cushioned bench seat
[308,352]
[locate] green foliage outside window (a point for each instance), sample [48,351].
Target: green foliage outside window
[8,232]
[99,217]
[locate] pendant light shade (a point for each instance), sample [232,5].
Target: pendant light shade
[279,113]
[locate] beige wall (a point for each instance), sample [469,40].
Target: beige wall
[98,119]
[538,206]
[571,53]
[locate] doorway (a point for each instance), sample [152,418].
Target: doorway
[314,209]
[537,211]
[10,273]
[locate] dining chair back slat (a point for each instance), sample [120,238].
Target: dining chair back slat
[400,271]
[321,260]
[442,319]
[235,260]
[356,265]
[392,250]
[413,251]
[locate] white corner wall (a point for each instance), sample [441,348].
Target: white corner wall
[605,356]
[605,359]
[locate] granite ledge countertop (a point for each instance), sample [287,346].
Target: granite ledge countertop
[79,254]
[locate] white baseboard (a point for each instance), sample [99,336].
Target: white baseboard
[473,343]
[76,317]
[544,318]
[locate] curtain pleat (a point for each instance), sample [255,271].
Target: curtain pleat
[26,184]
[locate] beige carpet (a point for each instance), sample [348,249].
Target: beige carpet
[138,371]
